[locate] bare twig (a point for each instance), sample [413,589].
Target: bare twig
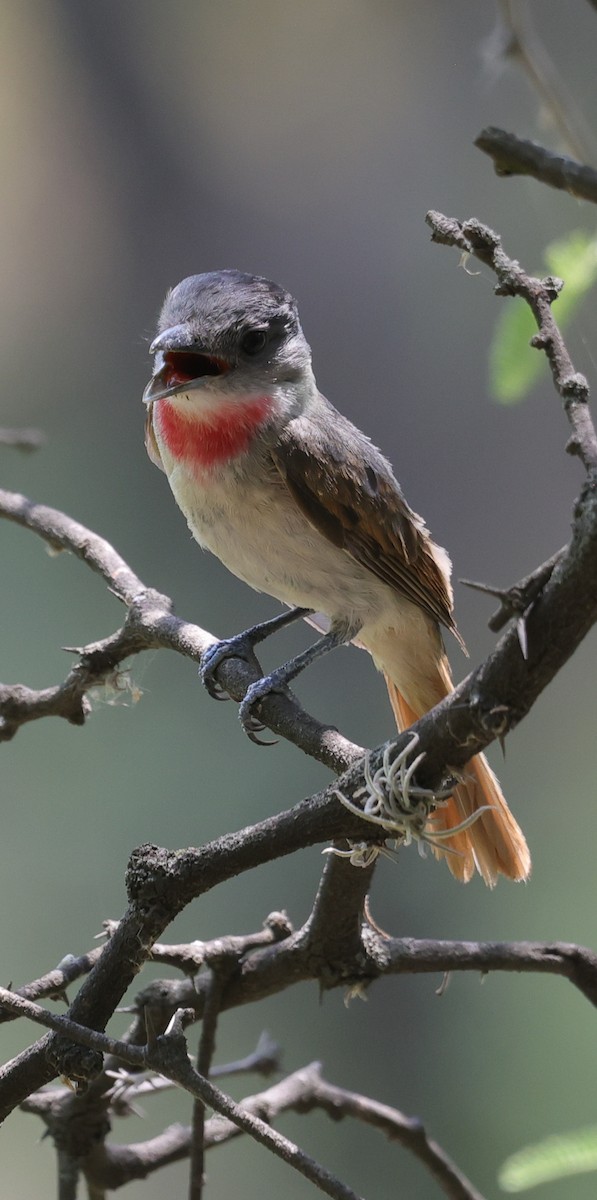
[170,1058]
[479,240]
[54,983]
[306,1090]
[303,1091]
[333,930]
[409,1131]
[220,973]
[516,156]
[516,600]
[264,1060]
[271,970]
[178,1066]
[150,624]
[190,956]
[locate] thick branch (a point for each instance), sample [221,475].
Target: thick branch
[161,883]
[297,960]
[516,156]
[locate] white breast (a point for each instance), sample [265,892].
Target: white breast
[257,530]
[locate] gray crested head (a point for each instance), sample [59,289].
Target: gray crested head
[221,304]
[227,324]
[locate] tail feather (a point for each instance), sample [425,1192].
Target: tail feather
[494,844]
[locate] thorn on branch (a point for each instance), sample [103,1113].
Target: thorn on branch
[518,600]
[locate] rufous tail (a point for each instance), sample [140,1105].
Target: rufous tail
[494,843]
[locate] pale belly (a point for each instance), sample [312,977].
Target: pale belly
[260,534]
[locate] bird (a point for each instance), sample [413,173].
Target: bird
[296,501]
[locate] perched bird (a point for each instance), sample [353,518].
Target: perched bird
[297,502]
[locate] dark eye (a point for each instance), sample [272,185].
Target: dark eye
[253,341]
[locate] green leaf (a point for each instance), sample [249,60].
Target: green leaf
[514,366]
[555,1158]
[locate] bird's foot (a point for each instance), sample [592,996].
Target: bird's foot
[275,682]
[242,645]
[239,646]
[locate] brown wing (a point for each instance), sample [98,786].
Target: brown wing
[373,522]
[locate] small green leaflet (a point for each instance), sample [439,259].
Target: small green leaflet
[557,1157]
[514,366]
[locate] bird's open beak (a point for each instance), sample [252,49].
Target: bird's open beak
[179,366]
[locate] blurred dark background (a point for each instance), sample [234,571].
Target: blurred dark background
[145,141]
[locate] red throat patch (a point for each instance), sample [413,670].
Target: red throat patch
[213,438]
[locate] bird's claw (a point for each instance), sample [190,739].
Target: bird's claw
[240,646]
[256,693]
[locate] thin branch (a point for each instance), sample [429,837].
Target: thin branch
[63,533]
[169,1057]
[409,1131]
[54,983]
[517,599]
[219,976]
[161,883]
[68,1176]
[265,1060]
[150,624]
[383,956]
[175,1062]
[190,956]
[66,1027]
[516,156]
[479,240]
[268,972]
[305,1090]
[578,964]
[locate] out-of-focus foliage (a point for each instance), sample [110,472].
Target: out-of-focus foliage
[556,1157]
[514,365]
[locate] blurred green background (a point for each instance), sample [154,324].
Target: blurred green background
[140,143]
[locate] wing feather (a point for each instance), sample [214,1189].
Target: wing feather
[347,490]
